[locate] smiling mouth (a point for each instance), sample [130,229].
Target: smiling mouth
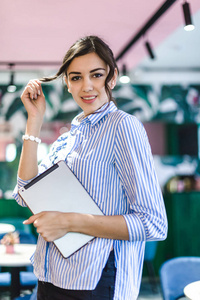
[89,99]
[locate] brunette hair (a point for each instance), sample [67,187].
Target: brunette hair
[86,45]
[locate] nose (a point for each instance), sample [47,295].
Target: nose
[87,85]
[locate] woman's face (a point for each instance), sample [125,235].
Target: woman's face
[85,80]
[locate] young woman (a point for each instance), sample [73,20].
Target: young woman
[108,150]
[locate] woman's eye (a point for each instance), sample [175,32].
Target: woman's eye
[75,78]
[97,75]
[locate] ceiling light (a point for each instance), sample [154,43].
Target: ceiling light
[124,78]
[11,152]
[11,87]
[149,50]
[187,16]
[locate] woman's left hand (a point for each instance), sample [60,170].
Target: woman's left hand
[51,225]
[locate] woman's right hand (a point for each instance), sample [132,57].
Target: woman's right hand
[34,100]
[34,103]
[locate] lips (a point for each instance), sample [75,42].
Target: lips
[89,99]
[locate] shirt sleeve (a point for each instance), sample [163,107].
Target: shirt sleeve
[45,164]
[20,183]
[134,162]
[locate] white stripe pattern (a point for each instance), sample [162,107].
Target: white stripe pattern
[110,154]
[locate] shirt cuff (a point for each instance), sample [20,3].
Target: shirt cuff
[15,195]
[21,182]
[135,227]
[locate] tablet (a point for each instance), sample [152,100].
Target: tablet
[58,189]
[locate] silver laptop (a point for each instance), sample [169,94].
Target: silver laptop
[58,189]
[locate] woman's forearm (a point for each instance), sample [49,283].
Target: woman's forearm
[28,165]
[34,103]
[52,225]
[110,227]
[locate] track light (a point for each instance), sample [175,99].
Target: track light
[124,78]
[187,16]
[149,50]
[11,87]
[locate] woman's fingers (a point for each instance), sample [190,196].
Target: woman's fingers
[29,91]
[48,224]
[34,99]
[34,88]
[32,219]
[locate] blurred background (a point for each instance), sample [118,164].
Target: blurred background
[159,83]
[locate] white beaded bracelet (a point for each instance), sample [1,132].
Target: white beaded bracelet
[31,138]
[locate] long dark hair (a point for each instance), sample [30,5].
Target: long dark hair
[85,45]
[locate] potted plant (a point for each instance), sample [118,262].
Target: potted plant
[9,239]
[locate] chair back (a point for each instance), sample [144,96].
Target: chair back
[150,250]
[26,238]
[176,273]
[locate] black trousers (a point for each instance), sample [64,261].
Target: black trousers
[103,291]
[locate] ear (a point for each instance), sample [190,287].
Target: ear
[113,80]
[67,83]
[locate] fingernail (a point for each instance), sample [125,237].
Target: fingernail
[39,92]
[25,221]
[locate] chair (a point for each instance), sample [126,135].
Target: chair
[32,296]
[26,297]
[149,255]
[27,278]
[176,273]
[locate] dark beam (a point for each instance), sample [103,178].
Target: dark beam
[30,63]
[166,5]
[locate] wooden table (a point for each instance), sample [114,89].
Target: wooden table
[192,290]
[20,258]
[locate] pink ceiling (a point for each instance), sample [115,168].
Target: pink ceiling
[42,30]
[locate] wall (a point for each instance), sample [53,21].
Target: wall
[157,99]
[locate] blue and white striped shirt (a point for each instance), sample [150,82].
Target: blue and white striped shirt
[110,154]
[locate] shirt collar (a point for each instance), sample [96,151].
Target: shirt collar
[94,118]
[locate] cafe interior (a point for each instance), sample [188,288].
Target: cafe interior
[156,44]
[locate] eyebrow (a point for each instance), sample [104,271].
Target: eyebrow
[94,70]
